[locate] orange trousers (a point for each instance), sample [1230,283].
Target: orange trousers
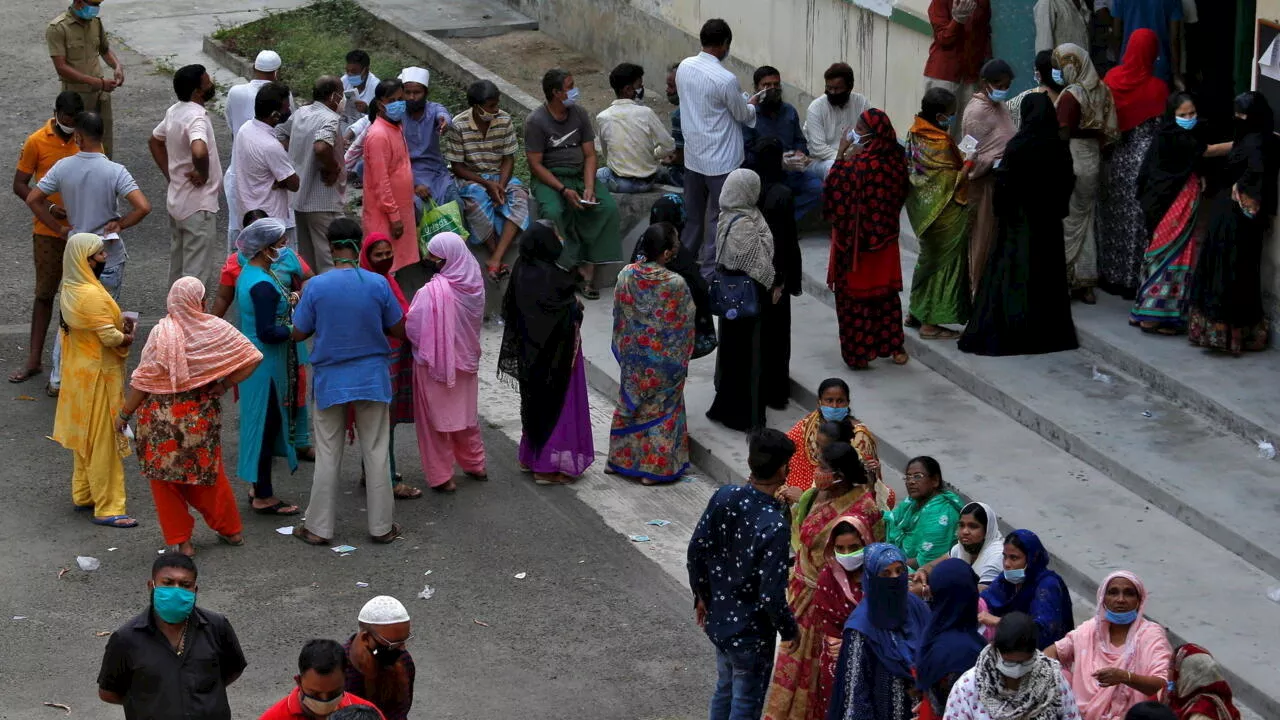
[216,503]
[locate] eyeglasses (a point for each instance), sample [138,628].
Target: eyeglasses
[914,477]
[388,644]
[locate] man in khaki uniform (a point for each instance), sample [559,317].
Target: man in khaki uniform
[76,40]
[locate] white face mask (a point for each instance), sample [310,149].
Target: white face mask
[65,129]
[274,255]
[1012,670]
[852,561]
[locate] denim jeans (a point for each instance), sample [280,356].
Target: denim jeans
[625,185]
[742,683]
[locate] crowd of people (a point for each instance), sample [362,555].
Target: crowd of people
[911,610]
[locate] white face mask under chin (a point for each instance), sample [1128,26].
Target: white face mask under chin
[1012,670]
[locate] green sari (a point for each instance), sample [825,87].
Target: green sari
[939,214]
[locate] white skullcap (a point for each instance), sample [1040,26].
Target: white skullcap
[383,610]
[267,61]
[422,76]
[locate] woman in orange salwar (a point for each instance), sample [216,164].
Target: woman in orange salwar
[95,341]
[191,358]
[794,692]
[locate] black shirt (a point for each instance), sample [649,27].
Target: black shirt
[155,682]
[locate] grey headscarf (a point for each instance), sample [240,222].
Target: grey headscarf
[743,240]
[260,235]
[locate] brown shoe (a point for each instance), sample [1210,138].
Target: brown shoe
[390,537]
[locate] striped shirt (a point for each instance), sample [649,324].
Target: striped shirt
[712,113]
[482,152]
[309,125]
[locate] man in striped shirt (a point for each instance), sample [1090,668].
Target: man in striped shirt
[713,111]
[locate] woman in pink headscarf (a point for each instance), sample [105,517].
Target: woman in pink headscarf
[1118,658]
[444,326]
[190,360]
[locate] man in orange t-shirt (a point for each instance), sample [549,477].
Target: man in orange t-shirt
[321,685]
[44,147]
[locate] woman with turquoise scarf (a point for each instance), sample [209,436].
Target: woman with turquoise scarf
[924,525]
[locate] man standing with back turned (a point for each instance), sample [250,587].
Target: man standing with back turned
[76,40]
[712,113]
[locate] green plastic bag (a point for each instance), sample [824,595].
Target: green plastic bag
[438,219]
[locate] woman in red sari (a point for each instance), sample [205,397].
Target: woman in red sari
[1200,692]
[850,493]
[863,200]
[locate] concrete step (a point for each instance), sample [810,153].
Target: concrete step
[1155,447]
[453,18]
[1091,523]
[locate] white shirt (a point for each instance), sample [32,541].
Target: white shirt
[712,113]
[633,139]
[964,703]
[825,124]
[351,114]
[240,99]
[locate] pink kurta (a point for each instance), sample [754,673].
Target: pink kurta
[388,189]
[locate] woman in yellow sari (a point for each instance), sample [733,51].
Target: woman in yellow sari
[845,490]
[95,343]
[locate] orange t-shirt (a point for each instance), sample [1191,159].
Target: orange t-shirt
[41,150]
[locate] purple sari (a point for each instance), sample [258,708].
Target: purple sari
[570,449]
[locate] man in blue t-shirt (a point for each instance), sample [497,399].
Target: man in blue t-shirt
[1164,18]
[350,312]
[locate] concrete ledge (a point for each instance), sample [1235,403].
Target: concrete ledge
[218,51]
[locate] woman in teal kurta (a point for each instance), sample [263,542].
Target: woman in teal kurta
[265,318]
[924,526]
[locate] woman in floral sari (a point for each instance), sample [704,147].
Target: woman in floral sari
[653,329]
[813,522]
[938,208]
[191,359]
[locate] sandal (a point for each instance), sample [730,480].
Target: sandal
[589,293]
[389,538]
[901,358]
[50,390]
[404,492]
[25,374]
[280,508]
[308,537]
[446,488]
[226,540]
[912,322]
[115,521]
[939,334]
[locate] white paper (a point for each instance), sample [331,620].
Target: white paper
[880,7]
[286,530]
[1269,63]
[969,145]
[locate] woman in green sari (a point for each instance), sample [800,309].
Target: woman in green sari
[924,526]
[938,208]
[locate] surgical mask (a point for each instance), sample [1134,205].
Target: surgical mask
[65,129]
[354,80]
[639,94]
[1057,77]
[396,110]
[323,708]
[415,106]
[88,12]
[274,255]
[1171,688]
[1016,576]
[946,122]
[1013,670]
[839,99]
[382,267]
[997,95]
[852,561]
[572,98]
[1187,123]
[483,116]
[1124,618]
[854,137]
[834,414]
[173,604]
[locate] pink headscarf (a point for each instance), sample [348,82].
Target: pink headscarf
[189,348]
[445,317]
[859,523]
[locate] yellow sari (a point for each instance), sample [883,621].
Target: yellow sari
[93,368]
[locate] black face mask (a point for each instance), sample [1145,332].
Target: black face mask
[385,656]
[415,106]
[839,99]
[382,267]
[673,98]
[772,98]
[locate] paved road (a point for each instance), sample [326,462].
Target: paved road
[600,628]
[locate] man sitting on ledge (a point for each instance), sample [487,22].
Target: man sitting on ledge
[778,119]
[634,140]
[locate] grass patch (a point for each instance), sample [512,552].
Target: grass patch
[314,40]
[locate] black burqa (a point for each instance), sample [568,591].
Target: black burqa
[777,204]
[540,340]
[1175,154]
[1228,283]
[670,209]
[1023,306]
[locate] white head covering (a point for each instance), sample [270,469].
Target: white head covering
[383,610]
[267,61]
[988,564]
[422,76]
[259,235]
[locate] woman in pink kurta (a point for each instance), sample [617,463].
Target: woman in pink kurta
[987,120]
[1118,658]
[444,326]
[388,176]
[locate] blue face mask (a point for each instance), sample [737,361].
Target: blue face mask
[354,80]
[572,99]
[396,110]
[998,95]
[1187,123]
[834,414]
[1171,687]
[1057,77]
[946,122]
[173,604]
[88,12]
[1126,618]
[1016,576]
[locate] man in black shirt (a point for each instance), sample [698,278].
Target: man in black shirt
[174,659]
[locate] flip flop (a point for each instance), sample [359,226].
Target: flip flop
[115,521]
[277,509]
[227,541]
[409,493]
[943,334]
[25,374]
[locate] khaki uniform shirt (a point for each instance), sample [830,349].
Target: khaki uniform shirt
[83,43]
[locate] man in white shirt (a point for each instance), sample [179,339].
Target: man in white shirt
[359,85]
[831,117]
[316,149]
[239,110]
[713,110]
[633,138]
[266,175]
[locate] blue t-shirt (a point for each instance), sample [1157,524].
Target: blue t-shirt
[349,311]
[1155,15]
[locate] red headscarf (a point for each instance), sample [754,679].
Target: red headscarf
[366,262]
[1198,686]
[864,195]
[1139,95]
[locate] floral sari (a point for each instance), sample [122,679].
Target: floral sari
[653,331]
[938,208]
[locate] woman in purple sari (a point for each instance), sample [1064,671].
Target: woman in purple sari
[541,350]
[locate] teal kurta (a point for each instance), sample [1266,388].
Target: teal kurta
[268,382]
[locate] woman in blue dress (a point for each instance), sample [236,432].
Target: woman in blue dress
[268,397]
[1029,586]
